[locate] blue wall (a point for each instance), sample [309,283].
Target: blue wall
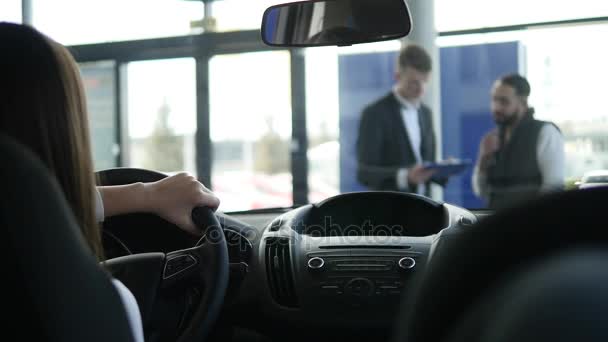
[467,75]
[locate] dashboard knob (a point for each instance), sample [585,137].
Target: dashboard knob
[465,221]
[359,287]
[407,263]
[316,263]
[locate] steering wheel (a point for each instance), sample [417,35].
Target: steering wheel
[151,276]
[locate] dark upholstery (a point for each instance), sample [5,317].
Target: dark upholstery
[471,264]
[56,290]
[562,299]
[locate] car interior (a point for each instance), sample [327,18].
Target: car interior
[352,264]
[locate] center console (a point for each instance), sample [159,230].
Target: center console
[353,256]
[361,277]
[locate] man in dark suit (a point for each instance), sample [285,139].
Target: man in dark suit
[396,132]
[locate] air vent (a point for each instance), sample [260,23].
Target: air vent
[279,271]
[366,247]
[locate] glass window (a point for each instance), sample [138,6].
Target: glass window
[329,151]
[99,84]
[569,88]
[322,121]
[566,71]
[114,20]
[564,66]
[10,10]
[161,115]
[250,99]
[468,14]
[247,16]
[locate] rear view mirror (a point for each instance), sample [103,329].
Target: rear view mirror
[335,22]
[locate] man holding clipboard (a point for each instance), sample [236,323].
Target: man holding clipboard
[396,143]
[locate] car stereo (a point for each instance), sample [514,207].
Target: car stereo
[360,278]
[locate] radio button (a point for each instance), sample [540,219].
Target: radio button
[316,263]
[359,287]
[407,263]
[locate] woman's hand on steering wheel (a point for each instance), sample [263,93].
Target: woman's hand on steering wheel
[174,197]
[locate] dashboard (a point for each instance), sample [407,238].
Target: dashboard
[373,214]
[344,262]
[355,253]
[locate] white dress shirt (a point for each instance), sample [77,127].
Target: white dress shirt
[126,296]
[99,211]
[132,308]
[411,121]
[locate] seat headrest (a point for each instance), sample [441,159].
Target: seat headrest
[468,263]
[59,292]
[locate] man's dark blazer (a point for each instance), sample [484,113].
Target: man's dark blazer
[383,145]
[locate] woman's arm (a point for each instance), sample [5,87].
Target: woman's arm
[171,198]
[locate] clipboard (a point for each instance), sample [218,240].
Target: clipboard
[448,168]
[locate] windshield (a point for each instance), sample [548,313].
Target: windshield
[510,106]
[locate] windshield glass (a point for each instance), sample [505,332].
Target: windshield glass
[500,105]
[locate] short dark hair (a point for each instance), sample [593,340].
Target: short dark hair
[416,57]
[517,82]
